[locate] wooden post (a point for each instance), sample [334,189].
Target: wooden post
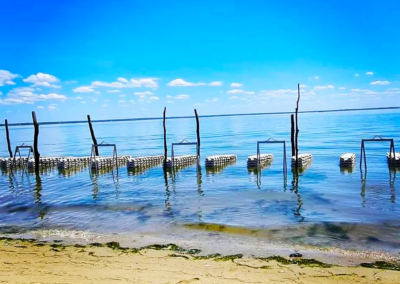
[96,149]
[8,139]
[35,142]
[297,128]
[198,133]
[292,136]
[165,138]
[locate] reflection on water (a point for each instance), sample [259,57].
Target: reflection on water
[323,204]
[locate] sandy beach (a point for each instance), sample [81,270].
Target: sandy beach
[29,261]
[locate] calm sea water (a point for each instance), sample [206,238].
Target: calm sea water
[324,206]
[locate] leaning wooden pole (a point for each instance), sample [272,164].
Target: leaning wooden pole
[35,142]
[297,128]
[165,138]
[292,136]
[8,139]
[96,149]
[198,133]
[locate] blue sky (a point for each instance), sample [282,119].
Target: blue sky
[123,59]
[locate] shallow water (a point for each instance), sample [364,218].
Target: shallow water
[325,206]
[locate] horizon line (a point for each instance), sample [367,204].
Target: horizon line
[203,116]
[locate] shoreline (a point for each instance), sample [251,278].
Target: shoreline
[32,261]
[211,242]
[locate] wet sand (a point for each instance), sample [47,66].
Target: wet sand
[39,262]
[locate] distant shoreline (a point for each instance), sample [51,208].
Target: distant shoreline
[202,116]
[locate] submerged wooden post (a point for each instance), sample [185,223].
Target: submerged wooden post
[297,127]
[292,136]
[165,138]
[96,149]
[8,139]
[35,142]
[198,133]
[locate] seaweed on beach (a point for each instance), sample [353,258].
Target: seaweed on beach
[193,251]
[382,265]
[199,257]
[178,255]
[229,257]
[302,261]
[172,247]
[96,245]
[113,245]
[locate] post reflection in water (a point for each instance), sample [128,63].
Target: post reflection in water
[200,191]
[295,190]
[392,178]
[167,173]
[96,174]
[171,174]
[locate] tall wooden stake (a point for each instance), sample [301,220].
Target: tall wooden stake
[198,133]
[165,138]
[96,149]
[292,136]
[297,128]
[35,142]
[8,139]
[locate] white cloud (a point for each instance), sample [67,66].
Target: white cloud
[182,83]
[169,102]
[380,83]
[95,100]
[42,80]
[182,97]
[124,83]
[316,77]
[40,107]
[104,105]
[154,98]
[320,88]
[342,88]
[213,100]
[83,102]
[121,101]
[233,98]
[370,73]
[146,93]
[113,91]
[53,96]
[6,78]
[26,95]
[277,93]
[122,96]
[303,86]
[357,75]
[236,85]
[239,91]
[84,89]
[46,84]
[51,107]
[235,91]
[123,80]
[215,84]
